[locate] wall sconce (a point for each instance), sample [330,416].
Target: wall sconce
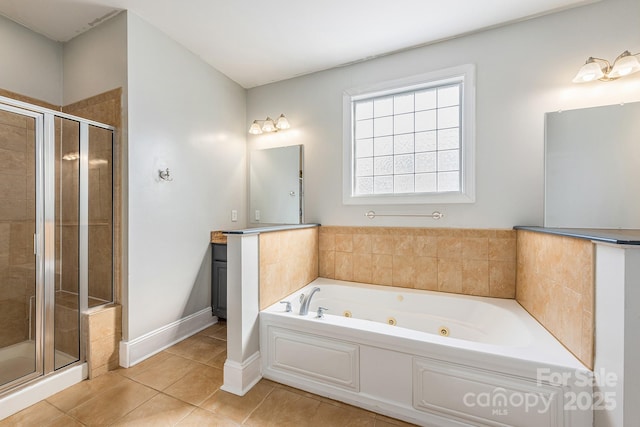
[268,125]
[600,69]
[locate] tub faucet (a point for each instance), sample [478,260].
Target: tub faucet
[304,307]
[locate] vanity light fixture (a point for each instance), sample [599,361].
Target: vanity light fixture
[600,69]
[269,125]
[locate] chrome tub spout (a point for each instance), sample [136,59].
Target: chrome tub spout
[304,307]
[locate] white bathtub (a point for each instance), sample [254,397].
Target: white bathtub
[382,348]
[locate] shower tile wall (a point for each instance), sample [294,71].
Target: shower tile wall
[67,205]
[66,324]
[66,237]
[104,326]
[17,213]
[465,261]
[28,99]
[556,285]
[104,108]
[100,108]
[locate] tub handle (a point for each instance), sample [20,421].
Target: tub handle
[287,307]
[320,312]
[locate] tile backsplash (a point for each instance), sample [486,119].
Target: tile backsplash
[288,262]
[465,261]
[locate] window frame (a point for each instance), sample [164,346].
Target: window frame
[464,74]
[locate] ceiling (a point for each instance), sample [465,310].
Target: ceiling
[255,42]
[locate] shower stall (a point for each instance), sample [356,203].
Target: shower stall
[56,237]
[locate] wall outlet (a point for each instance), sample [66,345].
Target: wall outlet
[257,215]
[234,215]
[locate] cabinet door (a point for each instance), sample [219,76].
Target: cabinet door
[219,289]
[219,252]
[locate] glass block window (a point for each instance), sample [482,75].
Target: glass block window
[412,140]
[408,142]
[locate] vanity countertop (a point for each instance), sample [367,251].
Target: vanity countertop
[258,230]
[220,236]
[606,235]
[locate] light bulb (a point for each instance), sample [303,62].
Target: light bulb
[626,64]
[255,128]
[282,122]
[268,125]
[589,72]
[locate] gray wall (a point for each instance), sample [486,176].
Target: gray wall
[31,63]
[178,112]
[523,71]
[188,117]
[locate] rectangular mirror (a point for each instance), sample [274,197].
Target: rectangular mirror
[592,167]
[275,186]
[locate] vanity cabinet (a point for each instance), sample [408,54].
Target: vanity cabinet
[219,280]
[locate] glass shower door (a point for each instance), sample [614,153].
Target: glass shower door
[67,307]
[20,349]
[56,236]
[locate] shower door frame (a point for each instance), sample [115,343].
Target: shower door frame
[44,237]
[37,243]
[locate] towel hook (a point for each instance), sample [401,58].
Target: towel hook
[165,175]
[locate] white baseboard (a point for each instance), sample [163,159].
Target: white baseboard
[239,378]
[141,348]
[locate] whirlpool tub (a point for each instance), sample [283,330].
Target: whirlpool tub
[431,358]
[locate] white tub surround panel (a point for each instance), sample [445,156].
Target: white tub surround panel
[496,367]
[242,367]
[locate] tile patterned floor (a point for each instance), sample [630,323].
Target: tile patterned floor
[181,387]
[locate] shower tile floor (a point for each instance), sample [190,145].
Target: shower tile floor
[181,387]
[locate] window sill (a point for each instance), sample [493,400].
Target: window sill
[394,199]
